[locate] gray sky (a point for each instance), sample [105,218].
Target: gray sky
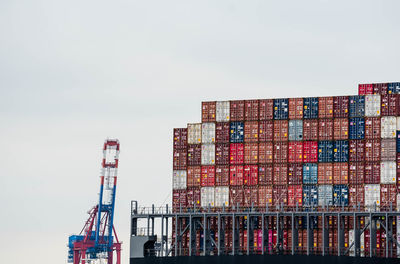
[75,72]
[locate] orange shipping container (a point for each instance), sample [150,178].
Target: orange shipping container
[325,129]
[264,195]
[280,152]
[310,129]
[296,108]
[251,110]
[265,151]
[221,175]
[265,174]
[295,151]
[251,153]
[208,111]
[251,131]
[373,150]
[325,107]
[193,176]
[280,174]
[281,130]
[372,127]
[266,130]
[266,111]
[340,173]
[340,128]
[325,173]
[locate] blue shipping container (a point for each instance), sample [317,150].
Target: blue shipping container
[295,130]
[313,222]
[310,108]
[340,195]
[310,173]
[281,109]
[325,151]
[310,195]
[394,88]
[357,106]
[356,128]
[237,132]
[398,141]
[340,151]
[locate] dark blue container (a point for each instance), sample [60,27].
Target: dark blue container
[340,151]
[357,106]
[356,128]
[340,195]
[394,88]
[398,141]
[310,173]
[313,222]
[281,109]
[310,195]
[237,132]
[310,108]
[325,151]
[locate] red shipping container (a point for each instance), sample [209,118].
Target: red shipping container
[295,173]
[372,127]
[180,138]
[372,173]
[325,173]
[222,154]
[325,129]
[237,110]
[179,199]
[340,106]
[364,89]
[279,195]
[250,196]
[236,175]
[356,172]
[222,175]
[280,174]
[266,130]
[193,176]
[373,150]
[194,155]
[265,152]
[281,130]
[310,151]
[398,169]
[295,195]
[388,196]
[390,105]
[180,159]
[251,131]
[251,153]
[325,107]
[193,197]
[356,150]
[310,129]
[207,176]
[250,174]
[295,151]
[236,196]
[280,152]
[265,174]
[236,153]
[340,173]
[340,128]
[222,132]
[380,88]
[266,111]
[295,108]
[208,111]
[356,195]
[251,109]
[264,196]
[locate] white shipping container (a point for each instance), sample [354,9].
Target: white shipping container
[208,154]
[388,127]
[208,133]
[325,195]
[372,105]
[398,206]
[223,111]
[207,196]
[221,196]
[179,179]
[194,133]
[372,195]
[388,172]
[398,123]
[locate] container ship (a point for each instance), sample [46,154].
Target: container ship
[311,179]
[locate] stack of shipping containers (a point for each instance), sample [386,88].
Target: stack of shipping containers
[318,153]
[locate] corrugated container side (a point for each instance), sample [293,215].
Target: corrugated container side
[207,154]
[295,195]
[280,152]
[398,169]
[325,173]
[265,174]
[372,105]
[356,128]
[265,152]
[222,154]
[295,130]
[295,152]
[372,127]
[208,112]
[208,133]
[236,195]
[397,141]
[340,195]
[310,108]
[325,195]
[250,174]
[180,159]
[372,193]
[380,88]
[250,196]
[325,151]
[280,195]
[236,153]
[251,131]
[356,173]
[388,172]
[179,199]
[236,175]
[388,149]
[340,173]
[310,195]
[193,176]
[388,196]
[194,133]
[266,109]
[341,106]
[295,173]
[310,151]
[340,151]
[325,107]
[310,173]
[364,89]
[281,130]
[388,127]
[193,197]
[251,153]
[180,138]
[390,105]
[222,196]
[223,111]
[251,109]
[222,134]
[325,129]
[207,176]
[222,175]
[356,150]
[356,195]
[207,196]
[281,109]
[236,132]
[310,129]
[264,196]
[372,172]
[372,150]
[237,110]
[194,155]
[357,106]
[179,180]
[394,88]
[296,108]
[266,130]
[280,174]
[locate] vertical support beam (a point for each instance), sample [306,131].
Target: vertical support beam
[166,236]
[262,234]
[323,234]
[176,235]
[308,234]
[162,235]
[148,225]
[293,244]
[357,234]
[278,233]
[387,235]
[339,239]
[190,235]
[204,234]
[219,234]
[372,237]
[233,234]
[248,234]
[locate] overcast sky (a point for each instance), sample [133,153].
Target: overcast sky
[75,72]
